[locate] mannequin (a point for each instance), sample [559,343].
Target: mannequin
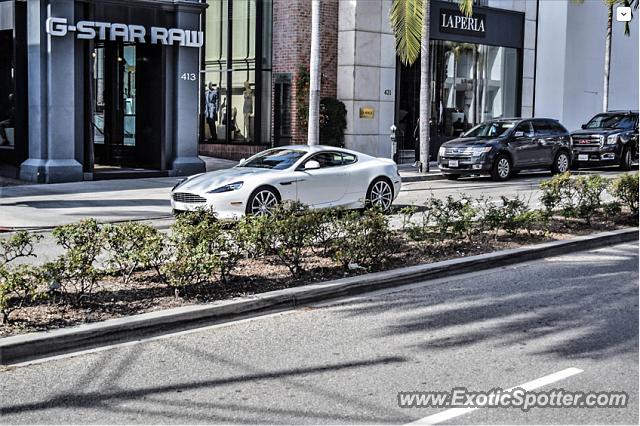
[247,108]
[234,115]
[5,124]
[211,106]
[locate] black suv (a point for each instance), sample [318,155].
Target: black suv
[505,146]
[609,138]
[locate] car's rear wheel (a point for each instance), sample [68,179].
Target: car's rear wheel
[451,176]
[380,195]
[561,163]
[626,159]
[501,168]
[262,201]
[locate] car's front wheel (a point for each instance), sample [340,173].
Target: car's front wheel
[380,194]
[262,201]
[626,159]
[561,164]
[501,168]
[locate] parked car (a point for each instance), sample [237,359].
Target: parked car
[610,138]
[318,176]
[503,147]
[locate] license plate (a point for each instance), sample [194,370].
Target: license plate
[453,163]
[583,157]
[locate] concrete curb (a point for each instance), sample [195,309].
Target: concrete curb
[423,178]
[31,346]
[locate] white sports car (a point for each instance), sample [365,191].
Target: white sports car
[318,176]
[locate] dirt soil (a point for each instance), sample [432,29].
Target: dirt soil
[146,293]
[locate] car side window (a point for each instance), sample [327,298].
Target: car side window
[557,128]
[327,159]
[348,158]
[542,128]
[525,128]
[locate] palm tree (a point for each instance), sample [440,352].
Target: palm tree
[313,126]
[410,22]
[607,45]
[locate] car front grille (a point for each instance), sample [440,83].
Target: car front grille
[457,152]
[586,140]
[185,197]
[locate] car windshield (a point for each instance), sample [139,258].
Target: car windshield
[612,121]
[277,159]
[492,129]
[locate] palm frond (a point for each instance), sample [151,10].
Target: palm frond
[406,21]
[466,7]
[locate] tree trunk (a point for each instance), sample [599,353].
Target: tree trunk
[424,90]
[607,61]
[314,74]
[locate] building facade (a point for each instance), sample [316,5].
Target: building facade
[101,89]
[97,89]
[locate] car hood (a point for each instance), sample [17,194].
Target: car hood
[468,142]
[588,132]
[212,180]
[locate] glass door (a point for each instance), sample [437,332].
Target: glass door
[113,103]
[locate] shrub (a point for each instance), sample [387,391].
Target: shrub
[18,286]
[199,247]
[290,230]
[326,230]
[451,218]
[20,244]
[624,189]
[512,215]
[333,122]
[75,270]
[573,197]
[365,240]
[132,245]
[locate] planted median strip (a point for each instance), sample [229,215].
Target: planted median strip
[119,270]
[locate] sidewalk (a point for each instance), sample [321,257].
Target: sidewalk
[409,173]
[34,206]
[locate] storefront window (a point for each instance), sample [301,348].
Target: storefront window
[470,83]
[231,100]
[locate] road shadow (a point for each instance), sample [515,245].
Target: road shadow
[560,312]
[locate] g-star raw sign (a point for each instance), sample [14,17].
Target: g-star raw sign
[89,30]
[455,22]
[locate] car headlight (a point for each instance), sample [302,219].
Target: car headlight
[612,139]
[441,151]
[478,151]
[227,188]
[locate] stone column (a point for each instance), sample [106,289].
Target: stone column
[185,98]
[52,99]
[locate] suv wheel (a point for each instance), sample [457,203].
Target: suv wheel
[626,160]
[501,168]
[561,164]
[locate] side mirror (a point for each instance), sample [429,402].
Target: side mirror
[584,126]
[242,160]
[311,165]
[518,135]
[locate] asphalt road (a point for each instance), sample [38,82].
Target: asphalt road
[345,362]
[42,206]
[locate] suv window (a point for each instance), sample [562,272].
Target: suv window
[526,128]
[557,127]
[612,121]
[542,128]
[328,159]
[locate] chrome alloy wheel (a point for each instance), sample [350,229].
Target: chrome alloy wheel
[381,195]
[504,168]
[562,163]
[263,202]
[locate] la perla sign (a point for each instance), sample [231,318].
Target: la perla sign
[90,30]
[453,21]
